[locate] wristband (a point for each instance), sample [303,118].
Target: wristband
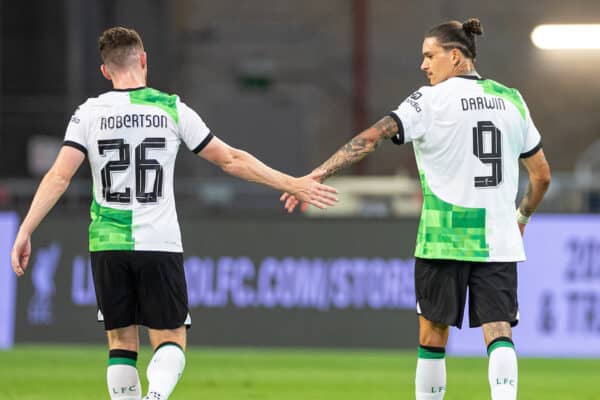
[522,219]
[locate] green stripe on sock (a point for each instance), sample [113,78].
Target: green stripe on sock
[121,361]
[499,343]
[431,355]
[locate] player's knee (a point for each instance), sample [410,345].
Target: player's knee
[433,340]
[123,338]
[495,330]
[159,337]
[433,334]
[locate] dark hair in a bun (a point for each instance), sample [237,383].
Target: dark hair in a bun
[453,34]
[472,26]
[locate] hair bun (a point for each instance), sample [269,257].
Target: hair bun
[472,26]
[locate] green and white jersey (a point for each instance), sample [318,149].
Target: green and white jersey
[468,134]
[131,139]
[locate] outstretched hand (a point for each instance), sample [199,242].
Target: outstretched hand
[310,190]
[291,202]
[20,254]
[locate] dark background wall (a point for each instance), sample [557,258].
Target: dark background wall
[276,77]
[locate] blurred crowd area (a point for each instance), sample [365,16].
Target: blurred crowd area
[290,81]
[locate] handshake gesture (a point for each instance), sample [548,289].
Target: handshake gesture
[309,190]
[314,192]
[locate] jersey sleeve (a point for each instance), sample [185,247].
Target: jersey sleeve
[532,140]
[192,130]
[76,134]
[411,117]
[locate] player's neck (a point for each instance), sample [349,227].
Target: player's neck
[128,80]
[472,72]
[465,68]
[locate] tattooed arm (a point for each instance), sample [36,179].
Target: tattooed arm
[539,180]
[358,148]
[352,152]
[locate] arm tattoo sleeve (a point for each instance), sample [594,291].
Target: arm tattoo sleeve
[361,145]
[386,127]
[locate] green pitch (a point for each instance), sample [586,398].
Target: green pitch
[78,372]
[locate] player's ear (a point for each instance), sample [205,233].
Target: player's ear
[143,60]
[105,72]
[455,57]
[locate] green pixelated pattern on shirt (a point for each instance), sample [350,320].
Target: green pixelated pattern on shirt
[451,232]
[110,229]
[153,97]
[497,89]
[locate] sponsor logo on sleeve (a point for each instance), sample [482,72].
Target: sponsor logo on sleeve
[412,100]
[416,95]
[75,118]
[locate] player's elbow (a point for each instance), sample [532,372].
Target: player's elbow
[542,178]
[59,176]
[545,182]
[228,167]
[232,163]
[546,178]
[58,179]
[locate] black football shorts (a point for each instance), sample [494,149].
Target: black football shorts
[140,288]
[441,291]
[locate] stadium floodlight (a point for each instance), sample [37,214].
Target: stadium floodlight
[558,37]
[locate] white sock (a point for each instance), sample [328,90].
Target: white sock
[122,376]
[430,380]
[164,371]
[502,371]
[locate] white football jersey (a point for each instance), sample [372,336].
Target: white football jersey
[468,134]
[131,139]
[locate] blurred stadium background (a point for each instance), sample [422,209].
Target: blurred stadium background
[291,81]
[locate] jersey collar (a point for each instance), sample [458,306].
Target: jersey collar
[472,77]
[129,89]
